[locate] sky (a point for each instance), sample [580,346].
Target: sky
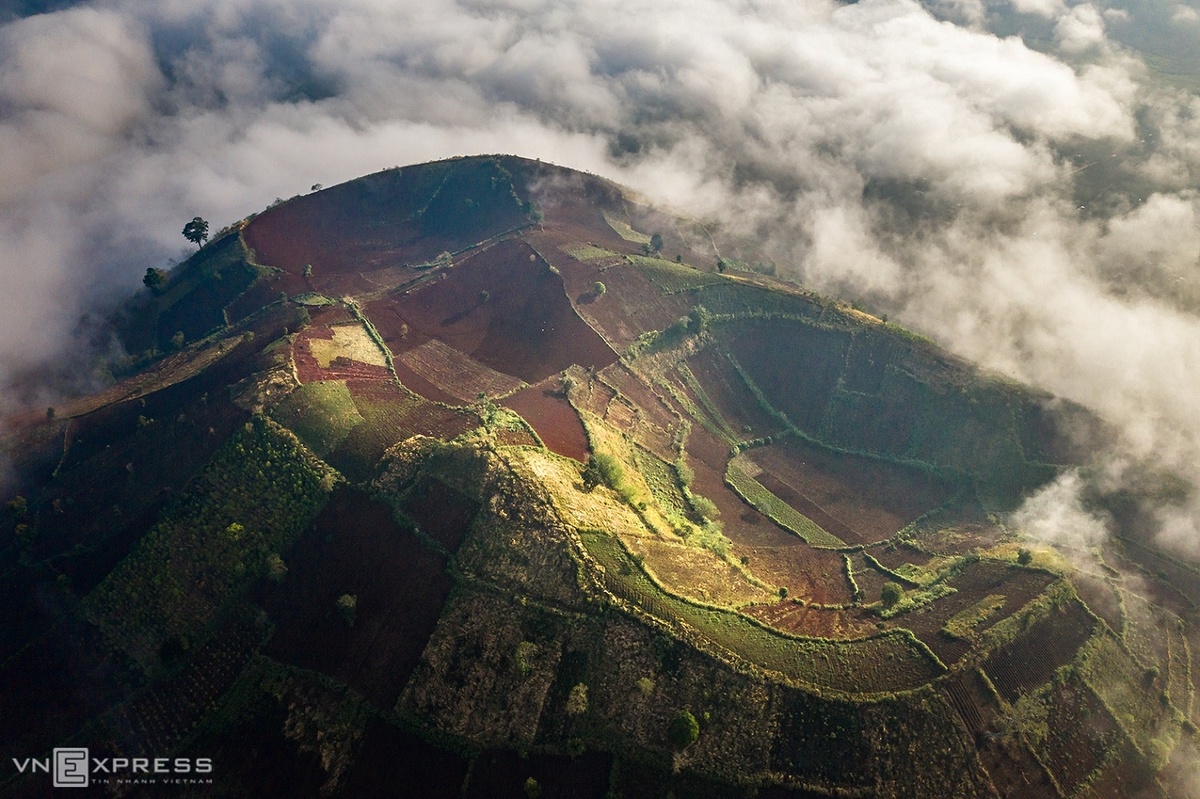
[1017,179]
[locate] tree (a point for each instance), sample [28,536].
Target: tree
[577,700]
[347,605]
[603,468]
[599,288]
[1024,556]
[891,593]
[684,730]
[155,279]
[276,569]
[656,243]
[196,231]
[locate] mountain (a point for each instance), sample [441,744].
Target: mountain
[486,478]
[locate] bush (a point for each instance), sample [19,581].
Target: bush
[347,606]
[1024,556]
[603,468]
[523,657]
[684,730]
[276,568]
[891,594]
[577,700]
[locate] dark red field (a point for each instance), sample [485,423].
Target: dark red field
[1033,658]
[503,307]
[555,421]
[357,548]
[857,499]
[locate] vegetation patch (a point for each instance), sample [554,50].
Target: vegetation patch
[321,414]
[911,600]
[351,342]
[891,661]
[259,492]
[673,278]
[623,229]
[590,252]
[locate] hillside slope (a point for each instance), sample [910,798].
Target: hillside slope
[484,478]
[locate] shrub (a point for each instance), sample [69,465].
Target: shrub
[533,789]
[684,730]
[1024,556]
[276,568]
[577,700]
[347,606]
[646,686]
[523,657]
[891,594]
[603,468]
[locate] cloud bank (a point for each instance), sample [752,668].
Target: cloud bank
[1029,204]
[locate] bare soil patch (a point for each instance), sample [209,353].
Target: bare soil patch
[555,421]
[857,499]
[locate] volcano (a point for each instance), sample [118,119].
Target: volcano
[486,478]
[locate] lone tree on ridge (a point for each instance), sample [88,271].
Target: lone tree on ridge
[196,231]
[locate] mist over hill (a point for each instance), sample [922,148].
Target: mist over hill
[1016,180]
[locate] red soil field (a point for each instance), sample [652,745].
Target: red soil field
[356,547]
[391,415]
[869,579]
[1088,733]
[1099,595]
[1033,658]
[792,617]
[814,575]
[555,421]
[440,512]
[385,220]
[632,304]
[340,368]
[868,500]
[740,408]
[895,555]
[798,353]
[974,583]
[971,699]
[504,308]
[744,525]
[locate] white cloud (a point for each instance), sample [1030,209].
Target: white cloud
[798,118]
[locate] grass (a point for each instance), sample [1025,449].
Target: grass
[883,663]
[776,509]
[589,252]
[322,414]
[1120,683]
[916,599]
[963,623]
